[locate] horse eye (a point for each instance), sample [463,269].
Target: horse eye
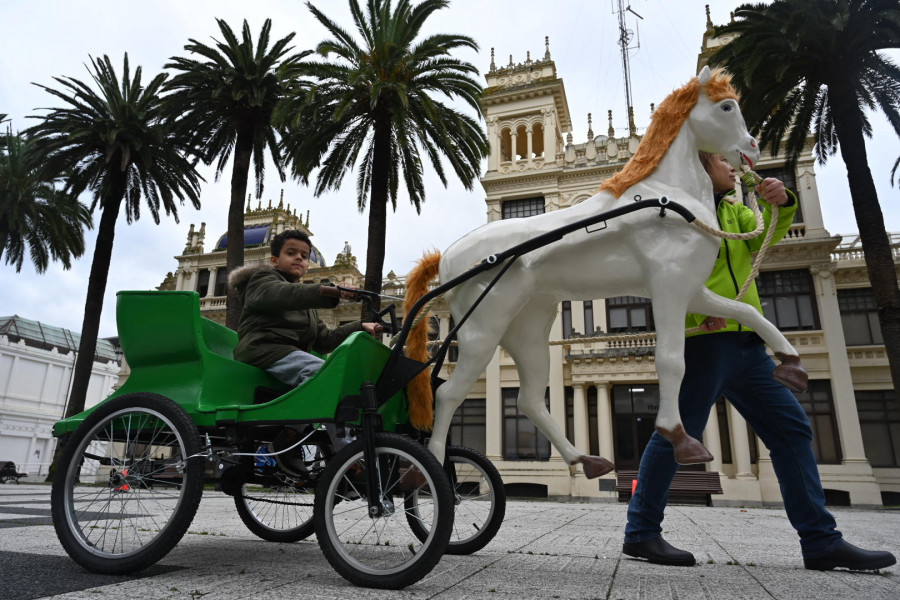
[727,107]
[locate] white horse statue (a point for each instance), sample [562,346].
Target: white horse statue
[638,254]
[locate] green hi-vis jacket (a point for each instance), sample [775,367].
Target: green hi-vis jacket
[734,263]
[280,316]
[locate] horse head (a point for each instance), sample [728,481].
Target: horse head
[717,122]
[703,115]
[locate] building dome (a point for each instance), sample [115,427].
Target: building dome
[261,235]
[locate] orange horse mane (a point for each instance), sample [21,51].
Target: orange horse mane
[668,118]
[419,393]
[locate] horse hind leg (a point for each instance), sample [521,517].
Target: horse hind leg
[526,342]
[669,317]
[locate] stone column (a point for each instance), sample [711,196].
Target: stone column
[713,441]
[211,288]
[514,141]
[740,445]
[841,382]
[528,144]
[580,412]
[493,409]
[604,421]
[494,137]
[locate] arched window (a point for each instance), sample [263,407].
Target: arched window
[537,140]
[505,146]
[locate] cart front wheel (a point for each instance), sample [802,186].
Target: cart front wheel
[128,484]
[479,496]
[382,551]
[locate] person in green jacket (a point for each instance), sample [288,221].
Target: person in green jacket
[728,359]
[280,326]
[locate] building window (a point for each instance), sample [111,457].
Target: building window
[203,282]
[859,317]
[589,327]
[788,299]
[634,421]
[819,407]
[526,207]
[790,182]
[521,439]
[629,313]
[468,425]
[221,288]
[566,319]
[879,419]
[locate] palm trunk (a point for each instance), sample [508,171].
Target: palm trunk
[378,201]
[870,221]
[234,252]
[90,326]
[93,307]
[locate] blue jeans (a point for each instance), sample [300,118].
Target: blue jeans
[735,364]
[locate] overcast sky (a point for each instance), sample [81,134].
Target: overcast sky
[46,38]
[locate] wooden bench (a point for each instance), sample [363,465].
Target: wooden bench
[686,483]
[8,472]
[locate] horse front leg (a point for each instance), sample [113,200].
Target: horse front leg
[790,372]
[526,342]
[669,317]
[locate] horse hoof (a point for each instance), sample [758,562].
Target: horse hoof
[790,373]
[594,466]
[688,450]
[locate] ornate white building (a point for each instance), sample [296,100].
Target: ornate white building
[36,362]
[604,394]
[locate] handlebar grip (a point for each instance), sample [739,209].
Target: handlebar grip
[330,291]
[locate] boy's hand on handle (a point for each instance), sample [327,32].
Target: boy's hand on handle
[373,329]
[335,292]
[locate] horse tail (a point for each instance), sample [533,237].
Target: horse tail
[421,401]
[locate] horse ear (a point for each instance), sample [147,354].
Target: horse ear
[704,75]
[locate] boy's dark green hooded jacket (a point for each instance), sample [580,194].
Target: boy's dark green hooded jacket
[280,316]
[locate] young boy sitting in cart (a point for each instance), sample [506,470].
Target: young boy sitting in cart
[280,325]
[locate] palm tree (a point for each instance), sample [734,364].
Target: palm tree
[36,218]
[373,104]
[225,102]
[814,65]
[117,144]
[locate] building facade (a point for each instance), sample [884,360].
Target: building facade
[36,362]
[603,391]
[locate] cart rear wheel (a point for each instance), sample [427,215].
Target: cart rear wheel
[277,513]
[126,488]
[480,502]
[381,552]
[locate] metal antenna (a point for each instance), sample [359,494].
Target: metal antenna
[625,38]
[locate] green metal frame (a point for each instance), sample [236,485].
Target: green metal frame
[174,352]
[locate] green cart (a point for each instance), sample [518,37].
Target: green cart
[132,469]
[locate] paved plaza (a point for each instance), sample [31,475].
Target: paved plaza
[545,549]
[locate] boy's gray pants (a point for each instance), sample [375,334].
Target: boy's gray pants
[294,369]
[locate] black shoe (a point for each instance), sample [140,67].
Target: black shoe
[660,552]
[291,461]
[847,556]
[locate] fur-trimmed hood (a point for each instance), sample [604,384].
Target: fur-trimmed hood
[239,277]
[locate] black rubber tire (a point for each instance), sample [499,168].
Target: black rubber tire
[360,553]
[283,522]
[477,516]
[83,511]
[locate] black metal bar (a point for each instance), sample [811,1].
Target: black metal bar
[369,416]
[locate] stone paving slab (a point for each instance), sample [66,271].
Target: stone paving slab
[544,550]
